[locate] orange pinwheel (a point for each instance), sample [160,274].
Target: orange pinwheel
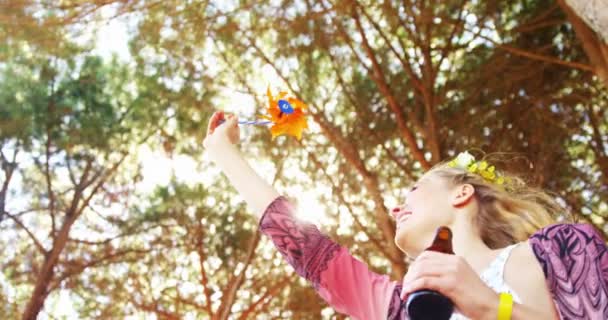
[287,115]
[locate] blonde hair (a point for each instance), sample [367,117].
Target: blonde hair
[508,213]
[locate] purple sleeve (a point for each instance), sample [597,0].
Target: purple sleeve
[574,259]
[343,281]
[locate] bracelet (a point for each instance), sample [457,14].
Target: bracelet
[505,306]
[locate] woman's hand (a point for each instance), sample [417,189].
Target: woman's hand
[453,277]
[221,131]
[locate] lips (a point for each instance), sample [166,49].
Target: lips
[402,216]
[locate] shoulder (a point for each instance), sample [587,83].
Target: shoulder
[530,285]
[565,247]
[570,250]
[574,260]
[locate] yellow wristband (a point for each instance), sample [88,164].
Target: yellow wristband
[505,306]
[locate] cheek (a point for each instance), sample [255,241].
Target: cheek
[432,205]
[420,223]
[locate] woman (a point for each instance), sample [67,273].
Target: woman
[502,242]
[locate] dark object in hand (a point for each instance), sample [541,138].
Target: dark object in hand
[429,304]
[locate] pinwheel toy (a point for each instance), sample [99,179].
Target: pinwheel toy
[285,113]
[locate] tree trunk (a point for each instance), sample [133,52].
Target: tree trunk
[46,274]
[590,21]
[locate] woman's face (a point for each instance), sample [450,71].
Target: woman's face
[427,206]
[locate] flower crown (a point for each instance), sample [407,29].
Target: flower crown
[466,161]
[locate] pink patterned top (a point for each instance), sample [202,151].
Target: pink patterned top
[573,257]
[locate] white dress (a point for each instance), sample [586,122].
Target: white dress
[493,276]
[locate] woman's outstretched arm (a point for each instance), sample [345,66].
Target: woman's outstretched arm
[220,145]
[344,282]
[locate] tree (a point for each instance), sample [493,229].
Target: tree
[66,134]
[393,88]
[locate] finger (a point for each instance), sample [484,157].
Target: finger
[427,258]
[221,118]
[434,255]
[234,121]
[215,121]
[426,271]
[429,262]
[211,123]
[428,282]
[438,258]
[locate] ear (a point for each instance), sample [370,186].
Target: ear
[462,194]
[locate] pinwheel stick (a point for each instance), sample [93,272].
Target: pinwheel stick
[284,106]
[252,122]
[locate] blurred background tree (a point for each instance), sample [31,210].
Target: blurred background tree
[393,88]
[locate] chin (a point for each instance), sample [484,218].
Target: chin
[408,242]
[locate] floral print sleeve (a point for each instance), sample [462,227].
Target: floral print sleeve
[343,281]
[574,259]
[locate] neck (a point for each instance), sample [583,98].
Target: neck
[467,244]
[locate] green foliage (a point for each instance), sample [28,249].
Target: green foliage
[491,75]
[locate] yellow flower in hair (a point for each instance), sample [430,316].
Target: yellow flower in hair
[487,175]
[486,172]
[472,168]
[466,161]
[483,165]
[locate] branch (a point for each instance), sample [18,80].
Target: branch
[236,281]
[393,156]
[191,303]
[154,308]
[202,256]
[349,42]
[106,176]
[9,168]
[79,188]
[413,35]
[74,268]
[129,233]
[37,243]
[535,56]
[378,76]
[406,66]
[358,109]
[49,185]
[271,292]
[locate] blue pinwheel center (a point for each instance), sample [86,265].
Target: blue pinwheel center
[285,107]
